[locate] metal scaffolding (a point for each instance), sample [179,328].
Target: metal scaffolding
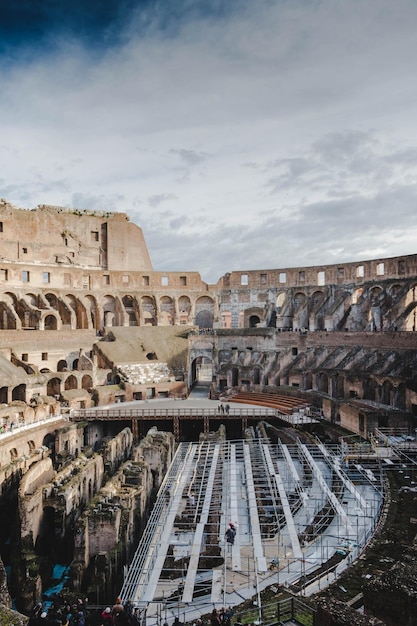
[299,512]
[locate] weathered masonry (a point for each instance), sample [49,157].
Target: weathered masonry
[93,271]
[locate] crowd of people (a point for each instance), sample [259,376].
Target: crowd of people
[63,613]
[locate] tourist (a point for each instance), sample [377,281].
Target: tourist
[215,618]
[117,609]
[106,617]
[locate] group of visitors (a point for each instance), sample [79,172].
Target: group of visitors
[223,409]
[222,617]
[62,613]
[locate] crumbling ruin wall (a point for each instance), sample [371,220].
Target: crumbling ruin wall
[30,498]
[107,532]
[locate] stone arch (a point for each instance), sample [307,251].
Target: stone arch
[204,312]
[280,301]
[166,311]
[4,394]
[316,305]
[130,308]
[62,366]
[148,308]
[86,382]
[79,311]
[109,311]
[13,454]
[201,369]
[53,387]
[33,299]
[71,382]
[385,392]
[19,393]
[308,380]
[317,299]
[299,299]
[52,300]
[184,308]
[411,309]
[254,321]
[57,304]
[369,387]
[9,320]
[50,322]
[31,446]
[92,311]
[338,384]
[323,382]
[395,290]
[253,316]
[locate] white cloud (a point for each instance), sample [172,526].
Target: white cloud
[281,134]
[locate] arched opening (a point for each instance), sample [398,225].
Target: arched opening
[87,382]
[8,312]
[203,368]
[19,393]
[4,395]
[148,311]
[80,313]
[71,383]
[130,310]
[166,311]
[254,321]
[92,310]
[50,322]
[308,380]
[184,308]
[62,366]
[204,312]
[323,383]
[53,387]
[369,389]
[386,393]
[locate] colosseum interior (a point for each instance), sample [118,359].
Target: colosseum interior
[85,322]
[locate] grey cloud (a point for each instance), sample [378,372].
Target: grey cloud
[190,157]
[157,199]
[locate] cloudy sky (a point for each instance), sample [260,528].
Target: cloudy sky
[239,134]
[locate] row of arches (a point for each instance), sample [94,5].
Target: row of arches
[370,307]
[54,387]
[337,386]
[56,311]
